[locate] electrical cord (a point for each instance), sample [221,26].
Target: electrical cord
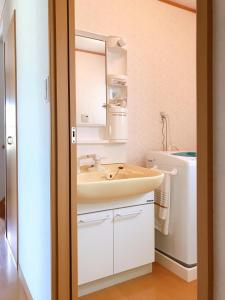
[164,133]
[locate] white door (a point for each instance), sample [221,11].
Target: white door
[95,246]
[2,124]
[11,139]
[134,243]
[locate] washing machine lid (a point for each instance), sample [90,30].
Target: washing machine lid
[185,154]
[172,158]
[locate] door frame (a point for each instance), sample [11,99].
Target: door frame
[63,176]
[63,153]
[14,255]
[205,148]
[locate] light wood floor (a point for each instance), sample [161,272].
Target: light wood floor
[160,285]
[10,286]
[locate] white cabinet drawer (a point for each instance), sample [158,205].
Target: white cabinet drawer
[95,246]
[133,237]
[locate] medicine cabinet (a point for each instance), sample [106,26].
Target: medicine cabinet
[101,86]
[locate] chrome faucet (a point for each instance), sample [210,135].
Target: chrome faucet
[96,158]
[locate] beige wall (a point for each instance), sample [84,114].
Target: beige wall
[2,2]
[161,43]
[219,148]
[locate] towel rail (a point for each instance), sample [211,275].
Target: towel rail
[173,172]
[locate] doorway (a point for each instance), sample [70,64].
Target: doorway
[135,87]
[204,150]
[8,151]
[11,139]
[11,286]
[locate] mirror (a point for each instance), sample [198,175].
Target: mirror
[90,80]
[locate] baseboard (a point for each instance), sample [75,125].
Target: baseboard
[100,284]
[187,274]
[24,284]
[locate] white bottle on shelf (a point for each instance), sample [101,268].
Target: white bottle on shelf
[117,127]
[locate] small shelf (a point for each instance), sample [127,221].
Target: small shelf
[118,80]
[83,142]
[90,125]
[117,85]
[99,142]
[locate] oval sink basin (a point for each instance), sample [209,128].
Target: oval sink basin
[116,181]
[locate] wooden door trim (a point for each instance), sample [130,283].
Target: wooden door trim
[205,148]
[60,150]
[73,149]
[178,5]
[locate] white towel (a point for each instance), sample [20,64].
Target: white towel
[162,205]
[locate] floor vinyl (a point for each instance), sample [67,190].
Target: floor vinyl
[10,285]
[159,285]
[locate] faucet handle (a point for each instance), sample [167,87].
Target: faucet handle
[86,156]
[99,158]
[98,162]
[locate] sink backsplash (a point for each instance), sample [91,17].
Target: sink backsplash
[110,153]
[90,140]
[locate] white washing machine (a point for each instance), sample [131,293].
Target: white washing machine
[181,242]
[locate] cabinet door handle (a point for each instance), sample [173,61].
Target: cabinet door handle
[135,213]
[93,220]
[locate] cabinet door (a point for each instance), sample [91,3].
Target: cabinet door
[95,246]
[133,237]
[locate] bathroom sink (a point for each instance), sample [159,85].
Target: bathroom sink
[115,181]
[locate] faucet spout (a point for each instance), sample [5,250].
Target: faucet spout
[93,156]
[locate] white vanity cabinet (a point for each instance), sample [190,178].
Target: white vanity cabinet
[115,237]
[95,246]
[133,237]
